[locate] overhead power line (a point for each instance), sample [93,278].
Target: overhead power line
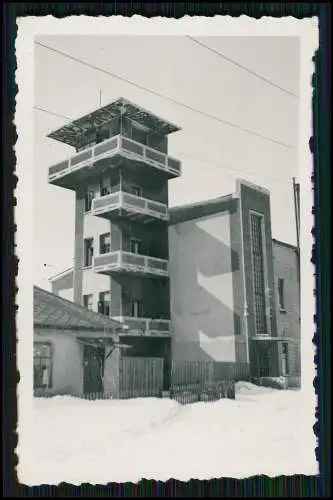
[232,169]
[241,66]
[196,158]
[170,99]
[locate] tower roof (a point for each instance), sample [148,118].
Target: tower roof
[69,132]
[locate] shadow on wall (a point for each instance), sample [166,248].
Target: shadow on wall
[203,269]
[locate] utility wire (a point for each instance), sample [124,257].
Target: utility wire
[170,99]
[218,53]
[37,108]
[232,169]
[196,158]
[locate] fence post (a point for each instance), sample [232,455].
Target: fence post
[111,370]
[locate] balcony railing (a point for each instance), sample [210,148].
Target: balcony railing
[111,147]
[118,261]
[146,326]
[130,203]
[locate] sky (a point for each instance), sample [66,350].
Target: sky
[252,85]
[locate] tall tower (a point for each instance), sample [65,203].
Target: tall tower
[120,174]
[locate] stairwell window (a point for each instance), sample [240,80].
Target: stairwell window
[105,243]
[42,365]
[258,266]
[88,251]
[88,301]
[281,294]
[104,304]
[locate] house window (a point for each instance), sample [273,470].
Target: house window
[281,294]
[258,274]
[42,365]
[105,187]
[88,251]
[136,190]
[105,243]
[136,245]
[90,195]
[88,301]
[104,304]
[136,308]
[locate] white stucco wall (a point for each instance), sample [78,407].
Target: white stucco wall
[201,283]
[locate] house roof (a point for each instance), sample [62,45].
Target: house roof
[70,132]
[52,311]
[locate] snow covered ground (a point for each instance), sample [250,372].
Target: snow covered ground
[263,431]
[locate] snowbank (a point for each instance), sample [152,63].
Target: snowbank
[262,431]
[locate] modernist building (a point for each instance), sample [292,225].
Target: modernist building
[204,281]
[234,290]
[120,174]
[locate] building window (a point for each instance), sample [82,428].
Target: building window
[136,190]
[88,301]
[136,245]
[136,308]
[281,294]
[139,134]
[88,251]
[104,304]
[90,195]
[42,365]
[285,358]
[258,274]
[105,187]
[105,243]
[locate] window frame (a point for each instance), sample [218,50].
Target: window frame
[85,259]
[90,295]
[102,245]
[281,294]
[140,308]
[105,303]
[50,358]
[261,216]
[90,195]
[135,187]
[135,240]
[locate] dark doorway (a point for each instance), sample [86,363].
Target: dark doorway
[93,362]
[262,359]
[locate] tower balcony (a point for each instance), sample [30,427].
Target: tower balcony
[130,263]
[146,326]
[108,154]
[135,207]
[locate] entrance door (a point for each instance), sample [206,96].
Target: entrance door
[264,359]
[93,362]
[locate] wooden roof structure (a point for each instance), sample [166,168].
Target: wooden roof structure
[52,311]
[120,107]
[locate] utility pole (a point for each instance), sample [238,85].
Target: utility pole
[100,97]
[296,192]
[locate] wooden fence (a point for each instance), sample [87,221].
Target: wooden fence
[140,377]
[189,380]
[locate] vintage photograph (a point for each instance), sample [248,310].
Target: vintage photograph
[166,258]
